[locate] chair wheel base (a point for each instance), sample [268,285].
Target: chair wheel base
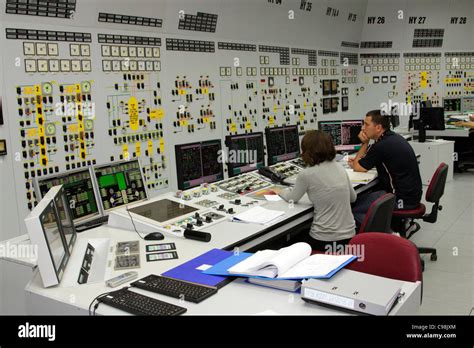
[434,257]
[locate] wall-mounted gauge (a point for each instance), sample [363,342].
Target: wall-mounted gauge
[86,87]
[50,129]
[88,124]
[47,88]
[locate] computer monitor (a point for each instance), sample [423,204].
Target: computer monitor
[344,134]
[432,118]
[198,163]
[51,228]
[245,153]
[120,183]
[333,128]
[79,191]
[283,143]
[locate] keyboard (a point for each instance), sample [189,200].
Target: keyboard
[138,304]
[175,288]
[92,223]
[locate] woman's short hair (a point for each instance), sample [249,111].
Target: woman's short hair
[317,147]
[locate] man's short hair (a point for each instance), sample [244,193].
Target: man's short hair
[378,118]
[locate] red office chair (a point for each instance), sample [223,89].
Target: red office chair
[389,256]
[379,215]
[433,195]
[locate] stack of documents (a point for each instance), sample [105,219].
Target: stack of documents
[293,262]
[361,178]
[258,215]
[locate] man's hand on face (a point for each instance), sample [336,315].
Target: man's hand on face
[363,137]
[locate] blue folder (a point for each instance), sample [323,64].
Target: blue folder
[188,271]
[222,267]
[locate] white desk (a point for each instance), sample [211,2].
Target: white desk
[448,132]
[75,299]
[236,298]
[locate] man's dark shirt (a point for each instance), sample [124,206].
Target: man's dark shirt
[397,168]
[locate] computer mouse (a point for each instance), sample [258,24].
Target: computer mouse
[154,236]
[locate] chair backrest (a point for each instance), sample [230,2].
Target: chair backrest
[437,184]
[379,215]
[386,255]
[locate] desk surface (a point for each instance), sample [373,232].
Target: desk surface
[70,298]
[448,132]
[252,299]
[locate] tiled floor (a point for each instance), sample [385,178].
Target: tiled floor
[449,282]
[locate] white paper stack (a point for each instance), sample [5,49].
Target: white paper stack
[258,215]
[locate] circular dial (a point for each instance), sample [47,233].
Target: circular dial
[50,129]
[47,88]
[88,124]
[86,86]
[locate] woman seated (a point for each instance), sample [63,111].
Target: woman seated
[329,189]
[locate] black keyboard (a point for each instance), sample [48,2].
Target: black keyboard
[138,304]
[175,288]
[92,223]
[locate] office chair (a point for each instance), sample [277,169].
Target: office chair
[386,255]
[407,226]
[379,215]
[389,256]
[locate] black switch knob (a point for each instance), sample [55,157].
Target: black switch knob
[208,219]
[189,226]
[199,222]
[237,201]
[221,207]
[231,211]
[196,216]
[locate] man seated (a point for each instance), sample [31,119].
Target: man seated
[395,161]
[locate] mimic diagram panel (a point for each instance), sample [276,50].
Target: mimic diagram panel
[330,88]
[238,83]
[458,82]
[133,104]
[52,109]
[349,79]
[422,78]
[304,94]
[288,86]
[380,78]
[275,91]
[192,90]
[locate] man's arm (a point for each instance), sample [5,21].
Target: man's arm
[464,124]
[354,163]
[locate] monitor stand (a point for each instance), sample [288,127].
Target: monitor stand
[421,132]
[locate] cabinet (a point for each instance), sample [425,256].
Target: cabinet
[432,153]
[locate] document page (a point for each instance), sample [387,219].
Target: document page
[271,263]
[316,266]
[253,263]
[361,177]
[258,215]
[287,257]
